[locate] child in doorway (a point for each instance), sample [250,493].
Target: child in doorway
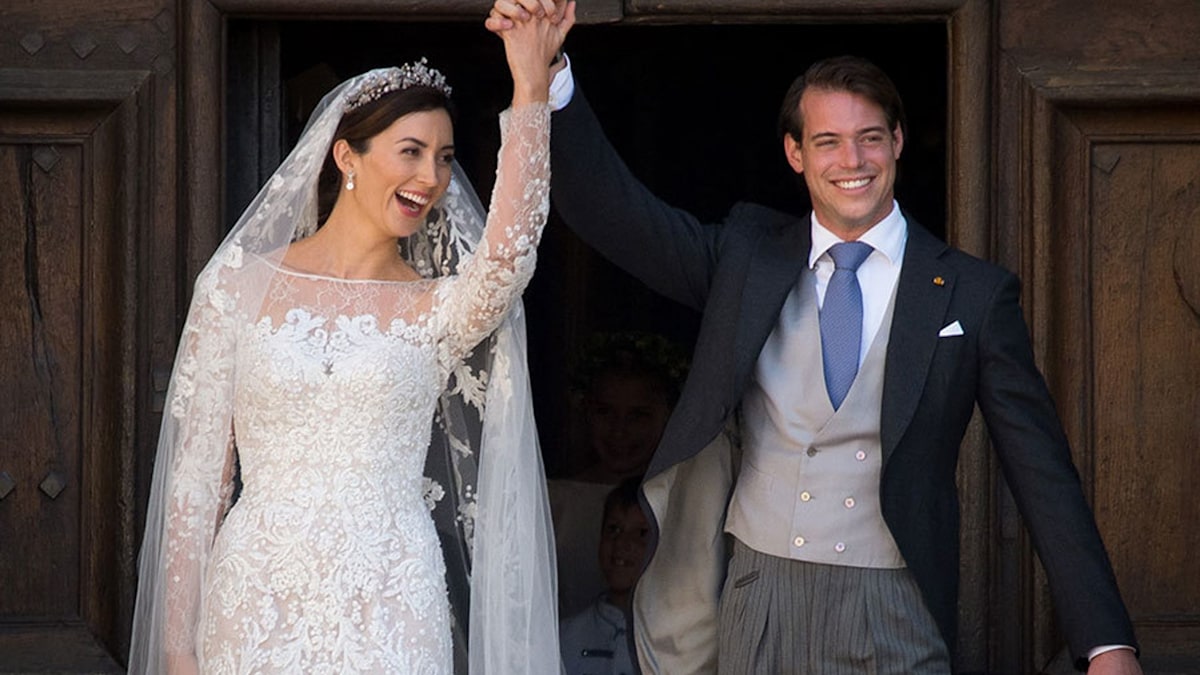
[596,641]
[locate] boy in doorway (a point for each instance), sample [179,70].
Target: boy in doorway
[595,641]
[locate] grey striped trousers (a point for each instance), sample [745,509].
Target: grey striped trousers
[789,617]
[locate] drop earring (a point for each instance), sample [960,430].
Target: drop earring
[350,181]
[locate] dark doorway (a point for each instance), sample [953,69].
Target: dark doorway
[692,109]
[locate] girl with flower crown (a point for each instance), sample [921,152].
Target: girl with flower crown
[347,478]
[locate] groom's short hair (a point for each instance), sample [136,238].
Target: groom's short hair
[852,74]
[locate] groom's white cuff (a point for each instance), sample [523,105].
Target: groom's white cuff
[1097,651]
[562,87]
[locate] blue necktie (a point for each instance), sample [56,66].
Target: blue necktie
[841,319]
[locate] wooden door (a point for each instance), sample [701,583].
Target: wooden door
[1099,210]
[69,182]
[87,172]
[1109,250]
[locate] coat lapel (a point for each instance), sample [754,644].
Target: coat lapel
[922,297]
[772,272]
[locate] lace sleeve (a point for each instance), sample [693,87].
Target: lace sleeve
[475,302]
[199,480]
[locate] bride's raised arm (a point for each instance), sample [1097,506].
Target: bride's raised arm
[504,261]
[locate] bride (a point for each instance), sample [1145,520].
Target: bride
[349,419]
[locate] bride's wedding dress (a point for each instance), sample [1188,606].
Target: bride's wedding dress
[328,561]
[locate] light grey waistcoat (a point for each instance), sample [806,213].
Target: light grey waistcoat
[808,488]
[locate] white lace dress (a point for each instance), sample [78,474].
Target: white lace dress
[329,562]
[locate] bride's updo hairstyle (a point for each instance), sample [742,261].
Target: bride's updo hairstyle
[362,123]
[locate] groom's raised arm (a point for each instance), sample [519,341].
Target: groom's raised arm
[611,210]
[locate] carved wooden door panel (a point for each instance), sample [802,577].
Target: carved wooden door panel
[67,331]
[1109,177]
[1098,208]
[87,317]
[1145,335]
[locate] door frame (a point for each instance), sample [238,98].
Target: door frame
[990,576]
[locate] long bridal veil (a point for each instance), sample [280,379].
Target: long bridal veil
[484,476]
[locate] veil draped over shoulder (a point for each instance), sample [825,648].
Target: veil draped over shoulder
[484,477]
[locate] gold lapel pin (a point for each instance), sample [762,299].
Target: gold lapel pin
[938,281]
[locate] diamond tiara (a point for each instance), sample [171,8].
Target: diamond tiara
[377,83]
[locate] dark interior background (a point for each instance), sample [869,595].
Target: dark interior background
[692,109]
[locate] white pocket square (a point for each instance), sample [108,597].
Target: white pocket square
[951,330]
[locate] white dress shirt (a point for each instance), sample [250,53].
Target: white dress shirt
[877,275]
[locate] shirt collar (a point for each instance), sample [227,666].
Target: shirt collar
[887,236]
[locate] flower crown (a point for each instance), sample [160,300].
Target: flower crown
[377,83]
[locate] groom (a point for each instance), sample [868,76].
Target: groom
[856,346]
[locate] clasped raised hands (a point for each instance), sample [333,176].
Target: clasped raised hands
[533,32]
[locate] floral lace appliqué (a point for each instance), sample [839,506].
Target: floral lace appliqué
[329,561]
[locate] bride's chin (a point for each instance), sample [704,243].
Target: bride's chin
[407,227]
